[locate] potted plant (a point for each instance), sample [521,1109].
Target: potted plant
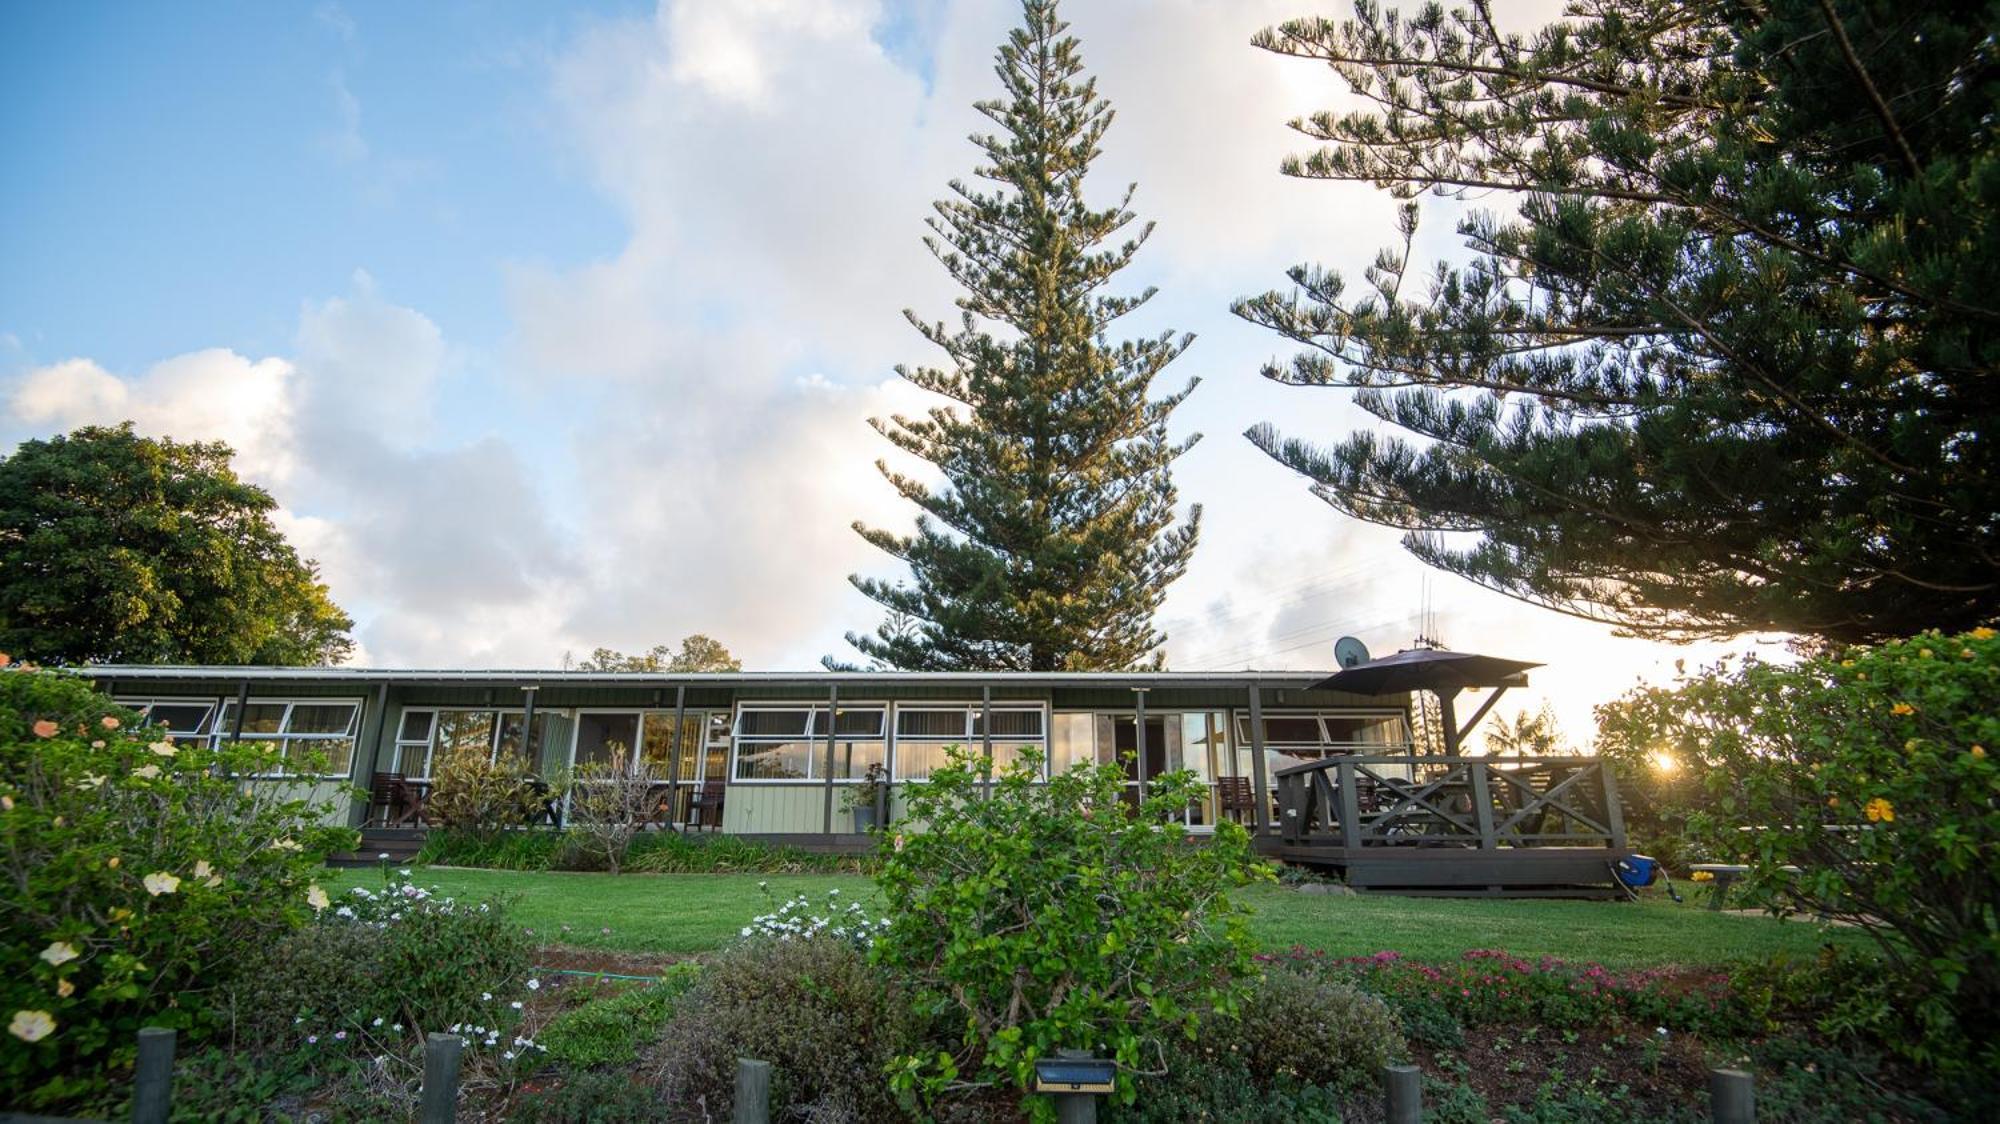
[868,797]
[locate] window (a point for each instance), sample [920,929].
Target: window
[923,732]
[427,734]
[315,735]
[789,743]
[182,718]
[601,737]
[1293,738]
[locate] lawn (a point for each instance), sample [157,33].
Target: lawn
[676,913]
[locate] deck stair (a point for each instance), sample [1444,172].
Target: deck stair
[400,844]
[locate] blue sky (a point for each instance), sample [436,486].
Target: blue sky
[553,326]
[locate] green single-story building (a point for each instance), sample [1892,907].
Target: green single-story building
[769,754]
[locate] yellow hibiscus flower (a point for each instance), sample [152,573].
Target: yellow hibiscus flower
[32,1026]
[1879,810]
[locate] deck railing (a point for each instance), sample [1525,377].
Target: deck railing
[1471,802]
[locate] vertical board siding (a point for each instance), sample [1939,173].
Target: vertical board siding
[779,809]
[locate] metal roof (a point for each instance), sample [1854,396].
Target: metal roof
[1290,679]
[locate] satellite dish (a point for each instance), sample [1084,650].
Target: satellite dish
[1349,652]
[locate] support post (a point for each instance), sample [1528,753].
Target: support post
[441,1057]
[753,1092]
[1261,799]
[832,720]
[1448,718]
[1732,1097]
[242,704]
[1403,1094]
[528,747]
[153,1080]
[679,744]
[1139,737]
[986,740]
[1482,804]
[367,755]
[1350,805]
[1614,812]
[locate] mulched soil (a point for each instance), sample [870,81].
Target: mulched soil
[1509,1065]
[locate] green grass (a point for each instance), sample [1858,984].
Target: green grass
[680,913]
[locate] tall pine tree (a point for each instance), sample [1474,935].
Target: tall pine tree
[1053,536]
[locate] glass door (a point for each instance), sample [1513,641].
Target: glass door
[698,754]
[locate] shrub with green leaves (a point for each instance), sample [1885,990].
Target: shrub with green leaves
[1306,1027]
[829,1023]
[386,966]
[138,871]
[1040,917]
[1864,786]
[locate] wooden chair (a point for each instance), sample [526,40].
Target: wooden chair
[1233,798]
[389,792]
[705,806]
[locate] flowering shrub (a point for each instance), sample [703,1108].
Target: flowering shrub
[1489,987]
[1040,917]
[795,919]
[1863,786]
[609,803]
[403,958]
[138,872]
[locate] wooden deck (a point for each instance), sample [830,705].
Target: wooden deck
[1539,826]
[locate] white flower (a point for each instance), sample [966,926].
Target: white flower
[404,872]
[340,1036]
[509,1055]
[397,1027]
[316,897]
[516,1004]
[32,1026]
[161,882]
[745,932]
[287,844]
[297,1019]
[312,1039]
[534,985]
[382,855]
[60,953]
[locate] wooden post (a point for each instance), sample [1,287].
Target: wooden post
[1614,812]
[1448,718]
[679,746]
[753,1092]
[1139,736]
[1403,1094]
[986,745]
[1482,803]
[153,1081]
[1260,799]
[1350,805]
[441,1056]
[1732,1097]
[832,720]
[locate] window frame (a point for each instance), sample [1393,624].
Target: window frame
[145,705]
[1326,743]
[972,740]
[286,739]
[815,738]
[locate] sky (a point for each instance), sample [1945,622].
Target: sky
[553,327]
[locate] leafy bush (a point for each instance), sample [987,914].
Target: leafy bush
[608,805]
[611,1030]
[1486,987]
[1312,1029]
[1057,916]
[829,1024]
[1861,786]
[1214,1084]
[138,873]
[652,852]
[481,793]
[383,968]
[591,1097]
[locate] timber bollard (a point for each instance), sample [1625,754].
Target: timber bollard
[1732,1097]
[153,1081]
[753,1092]
[441,1056]
[1403,1094]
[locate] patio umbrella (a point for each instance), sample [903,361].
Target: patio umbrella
[1426,669]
